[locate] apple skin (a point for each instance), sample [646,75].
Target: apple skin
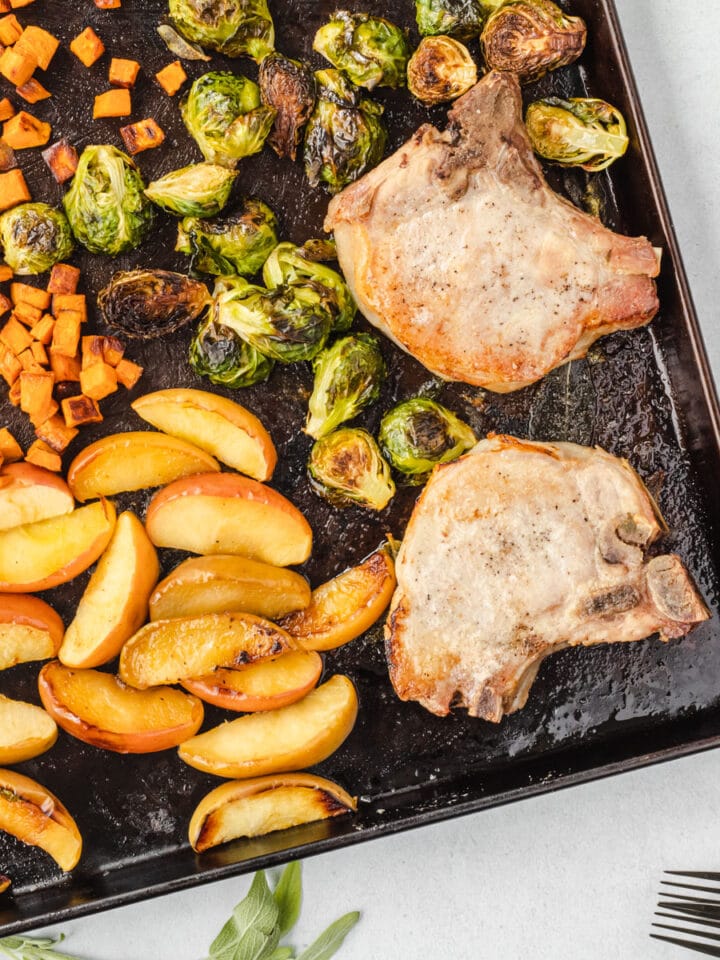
[29,493]
[29,629]
[226,513]
[26,731]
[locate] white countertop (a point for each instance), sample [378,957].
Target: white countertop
[571,874]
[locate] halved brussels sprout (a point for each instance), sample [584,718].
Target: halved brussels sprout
[238,242]
[220,354]
[200,190]
[345,136]
[106,203]
[418,434]
[288,86]
[441,69]
[580,132]
[289,264]
[455,18]
[346,467]
[232,27]
[225,116]
[348,377]
[371,51]
[146,304]
[33,237]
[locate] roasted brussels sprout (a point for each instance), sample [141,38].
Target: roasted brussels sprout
[221,355]
[106,204]
[371,51]
[287,86]
[345,136]
[530,37]
[348,377]
[418,434]
[580,132]
[200,190]
[238,242]
[233,27]
[224,115]
[33,237]
[145,304]
[455,18]
[346,467]
[441,69]
[289,264]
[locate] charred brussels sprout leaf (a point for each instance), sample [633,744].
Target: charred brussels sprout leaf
[221,355]
[441,69]
[348,377]
[289,264]
[418,434]
[179,45]
[371,51]
[106,204]
[530,37]
[225,116]
[345,136]
[456,18]
[239,242]
[233,27]
[287,86]
[347,467]
[145,304]
[33,237]
[200,190]
[579,132]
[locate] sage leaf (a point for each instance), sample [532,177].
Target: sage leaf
[330,941]
[283,953]
[288,896]
[32,948]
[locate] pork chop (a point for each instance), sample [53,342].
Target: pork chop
[515,551]
[459,251]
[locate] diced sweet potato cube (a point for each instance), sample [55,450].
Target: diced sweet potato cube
[113,350]
[14,392]
[5,272]
[5,304]
[98,380]
[79,410]
[87,47]
[63,278]
[128,373]
[27,314]
[16,4]
[70,301]
[142,135]
[8,161]
[13,189]
[29,363]
[66,333]
[7,110]
[39,42]
[171,77]
[123,73]
[112,103]
[65,369]
[42,455]
[24,130]
[56,433]
[62,158]
[92,350]
[108,4]
[15,336]
[43,329]
[36,393]
[10,449]
[40,353]
[5,6]
[32,91]
[26,293]
[10,30]
[17,67]
[10,366]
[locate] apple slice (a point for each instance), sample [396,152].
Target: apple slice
[293,737]
[34,815]
[29,493]
[98,708]
[29,630]
[345,606]
[115,601]
[260,686]
[225,582]
[25,730]
[251,808]
[222,427]
[168,651]
[133,461]
[227,513]
[37,556]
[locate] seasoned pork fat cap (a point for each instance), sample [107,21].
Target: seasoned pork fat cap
[514,551]
[458,250]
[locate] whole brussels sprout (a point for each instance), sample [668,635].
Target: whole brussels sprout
[238,242]
[454,18]
[418,434]
[289,264]
[106,203]
[145,304]
[223,113]
[441,69]
[345,136]
[346,467]
[220,354]
[232,27]
[580,132]
[371,51]
[200,190]
[33,237]
[288,86]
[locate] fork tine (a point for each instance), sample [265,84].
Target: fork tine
[683,918]
[698,909]
[686,899]
[693,933]
[696,874]
[706,949]
[690,886]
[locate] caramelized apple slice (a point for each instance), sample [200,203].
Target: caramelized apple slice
[29,493]
[25,730]
[29,630]
[251,808]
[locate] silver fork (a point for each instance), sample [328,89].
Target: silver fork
[701,912]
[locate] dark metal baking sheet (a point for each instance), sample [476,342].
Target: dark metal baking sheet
[646,395]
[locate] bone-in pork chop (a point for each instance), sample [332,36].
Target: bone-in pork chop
[458,250]
[515,551]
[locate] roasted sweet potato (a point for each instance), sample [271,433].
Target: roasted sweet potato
[66,334]
[10,30]
[171,77]
[32,91]
[5,272]
[113,350]
[80,409]
[36,397]
[27,314]
[98,380]
[143,135]
[15,336]
[7,110]
[87,47]
[24,130]
[42,455]
[62,158]
[13,189]
[25,293]
[112,103]
[55,433]
[17,67]
[123,73]
[128,373]
[63,278]
[43,329]
[40,43]
[70,301]
[6,304]
[10,366]
[10,449]
[65,369]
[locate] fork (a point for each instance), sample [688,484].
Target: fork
[689,908]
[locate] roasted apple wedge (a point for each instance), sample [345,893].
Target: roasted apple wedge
[293,737]
[133,461]
[260,686]
[29,630]
[227,513]
[215,424]
[115,602]
[168,651]
[100,709]
[225,582]
[34,815]
[29,493]
[345,606]
[37,556]
[26,731]
[251,808]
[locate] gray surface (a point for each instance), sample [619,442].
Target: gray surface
[568,875]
